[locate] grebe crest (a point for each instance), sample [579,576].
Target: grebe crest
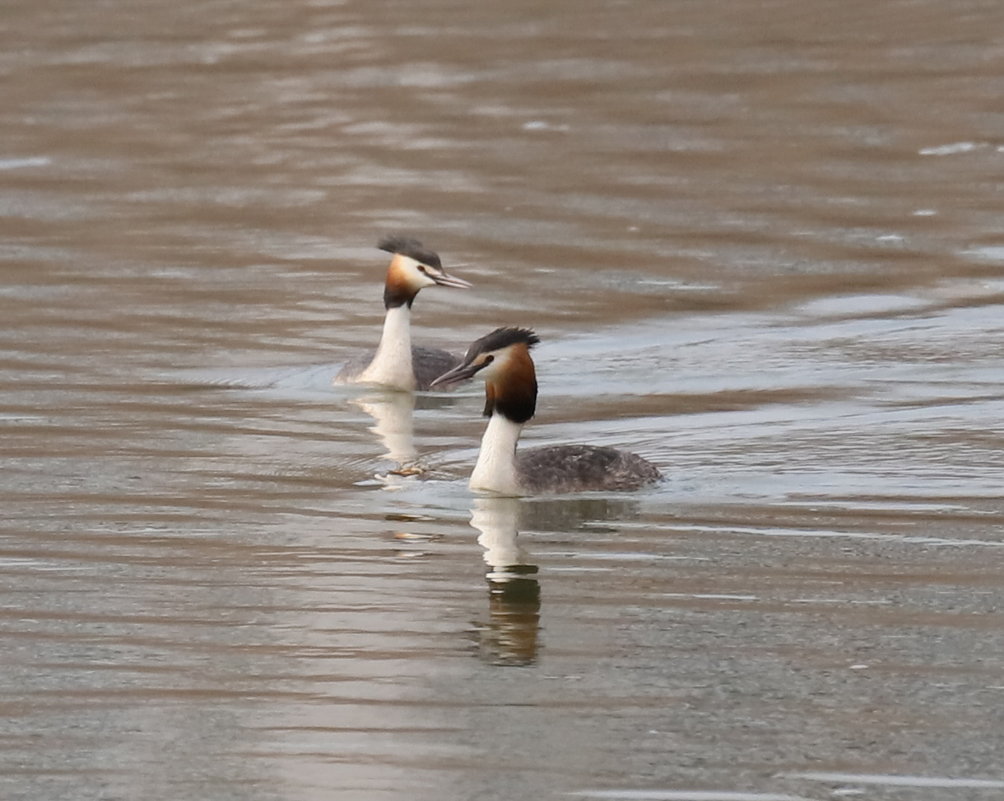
[397,364]
[502,358]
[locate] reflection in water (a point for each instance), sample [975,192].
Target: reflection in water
[393,414]
[569,514]
[510,638]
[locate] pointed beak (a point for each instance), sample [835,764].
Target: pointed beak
[459,373]
[442,279]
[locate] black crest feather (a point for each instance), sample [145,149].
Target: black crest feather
[502,338]
[412,248]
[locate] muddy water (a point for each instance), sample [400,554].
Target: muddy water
[763,246]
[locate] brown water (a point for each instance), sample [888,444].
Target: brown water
[763,245]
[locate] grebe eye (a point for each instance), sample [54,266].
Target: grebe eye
[489,359]
[421,268]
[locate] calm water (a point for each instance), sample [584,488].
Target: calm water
[763,245]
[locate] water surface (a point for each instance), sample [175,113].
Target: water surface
[762,246]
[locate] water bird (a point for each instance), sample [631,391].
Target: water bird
[396,363]
[502,358]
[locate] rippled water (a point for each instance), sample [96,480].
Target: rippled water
[762,245]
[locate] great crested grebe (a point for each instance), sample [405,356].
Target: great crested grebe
[397,364]
[502,358]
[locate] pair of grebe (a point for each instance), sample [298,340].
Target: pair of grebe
[502,359]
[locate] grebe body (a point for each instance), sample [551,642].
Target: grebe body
[502,358]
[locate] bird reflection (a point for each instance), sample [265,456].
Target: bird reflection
[510,636]
[393,422]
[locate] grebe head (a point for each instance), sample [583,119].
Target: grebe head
[413,267]
[502,359]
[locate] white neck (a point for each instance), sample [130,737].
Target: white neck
[391,367]
[496,467]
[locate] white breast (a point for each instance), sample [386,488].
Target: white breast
[496,467]
[391,367]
